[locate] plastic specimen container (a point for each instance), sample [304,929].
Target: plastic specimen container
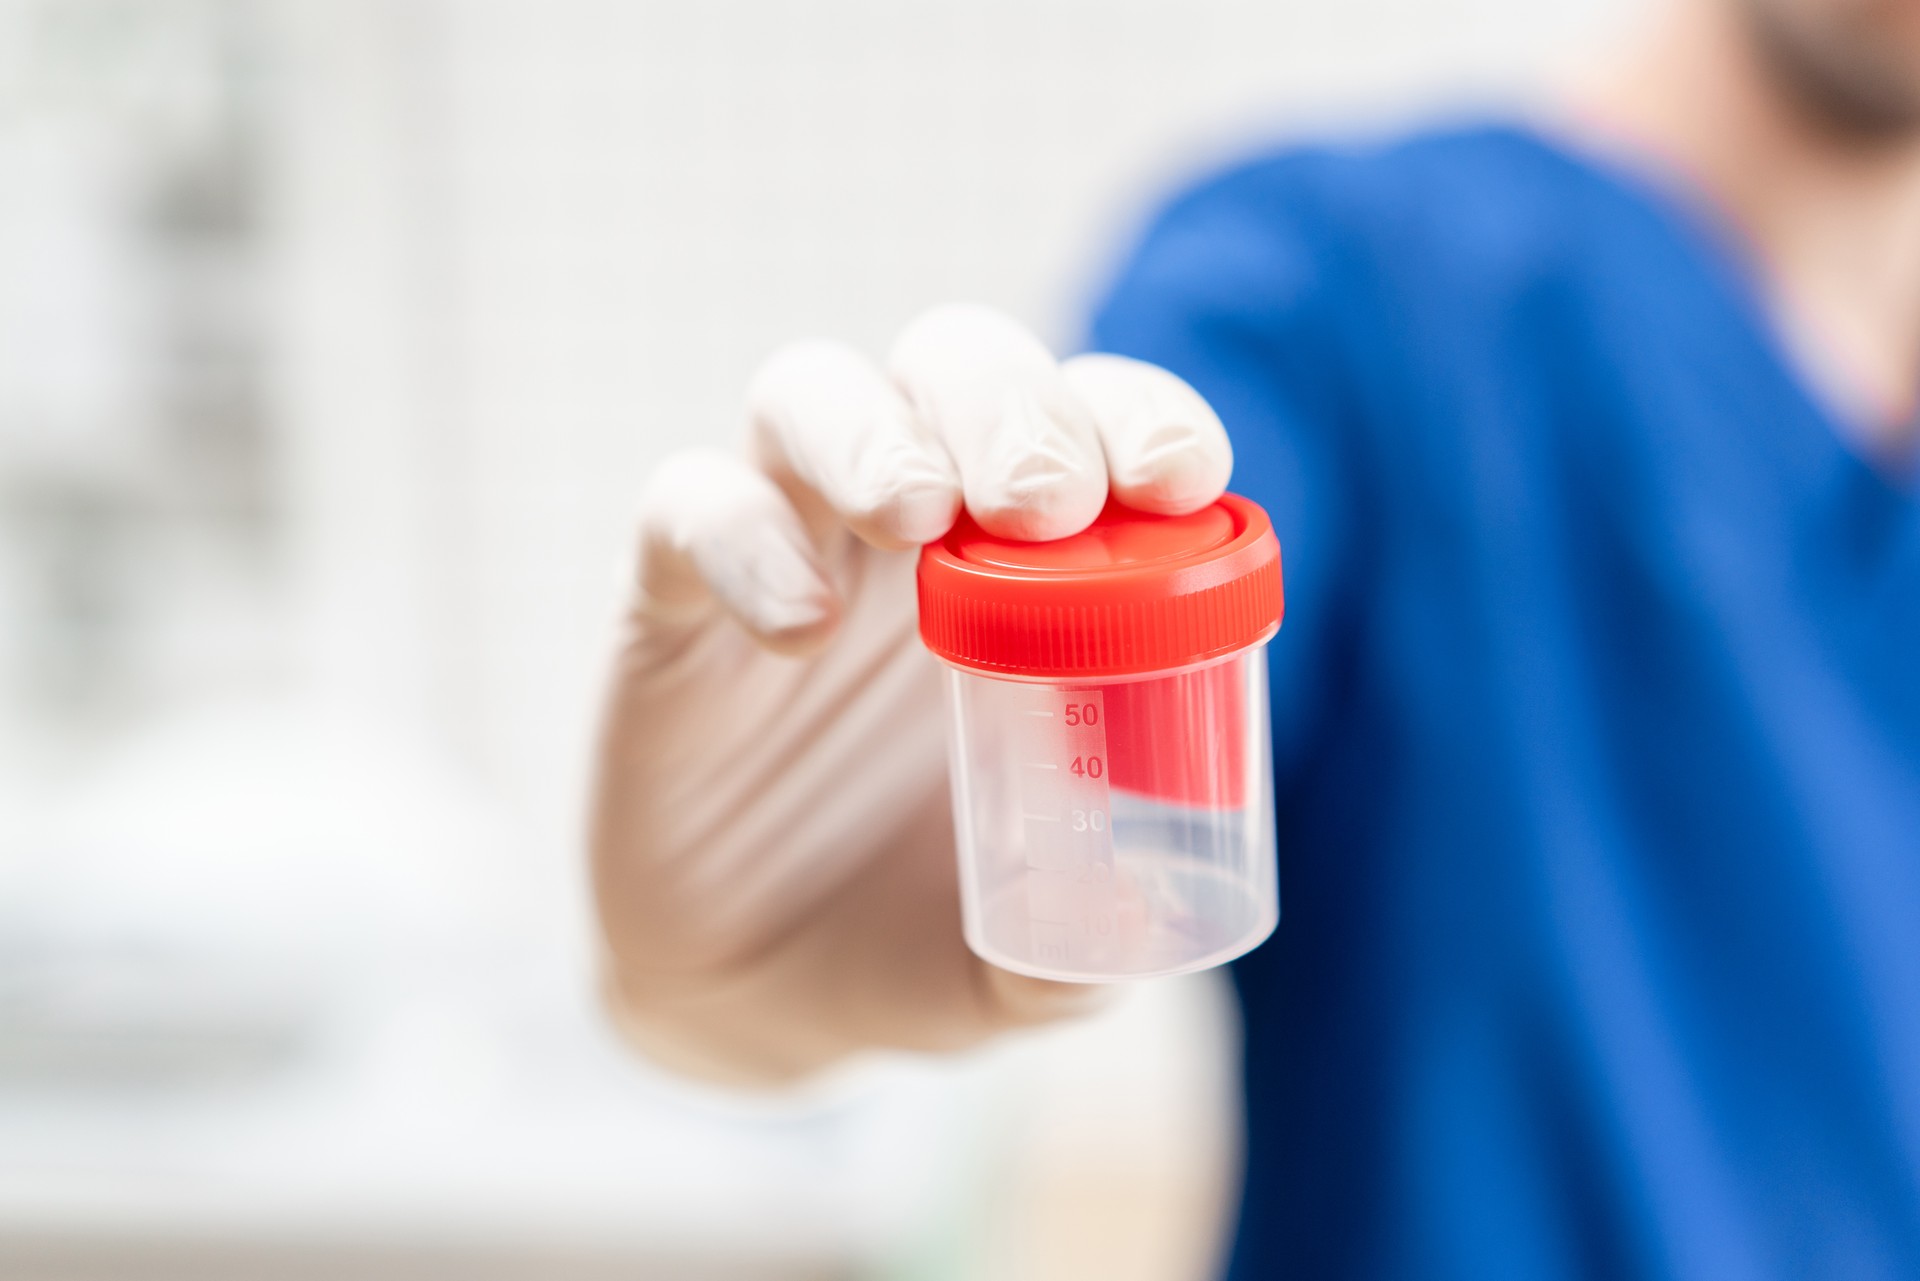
[1110,754]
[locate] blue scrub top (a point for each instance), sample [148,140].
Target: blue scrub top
[1597,731]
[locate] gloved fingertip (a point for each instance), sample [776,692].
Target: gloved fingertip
[1039,474]
[1035,521]
[1166,447]
[1037,504]
[921,515]
[768,580]
[795,621]
[910,517]
[1183,477]
[801,638]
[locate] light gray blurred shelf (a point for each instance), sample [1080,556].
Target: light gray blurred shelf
[477,1127]
[164,1259]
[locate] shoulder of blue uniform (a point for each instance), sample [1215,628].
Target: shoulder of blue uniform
[1456,207]
[1241,244]
[1258,215]
[1318,294]
[1345,175]
[1280,227]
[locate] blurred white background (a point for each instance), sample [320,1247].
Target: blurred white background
[335,338]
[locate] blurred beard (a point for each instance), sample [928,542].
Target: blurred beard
[1843,81]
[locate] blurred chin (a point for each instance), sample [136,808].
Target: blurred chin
[1854,63]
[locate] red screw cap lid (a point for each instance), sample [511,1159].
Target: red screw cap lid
[1131,593]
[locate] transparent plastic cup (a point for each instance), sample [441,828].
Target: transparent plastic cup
[1110,745]
[1115,829]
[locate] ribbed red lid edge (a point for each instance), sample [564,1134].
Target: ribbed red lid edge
[1067,620]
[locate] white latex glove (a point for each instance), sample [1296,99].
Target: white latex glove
[773,850]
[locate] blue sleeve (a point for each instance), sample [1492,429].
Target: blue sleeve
[1236,288]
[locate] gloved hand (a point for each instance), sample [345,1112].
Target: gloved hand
[773,850]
